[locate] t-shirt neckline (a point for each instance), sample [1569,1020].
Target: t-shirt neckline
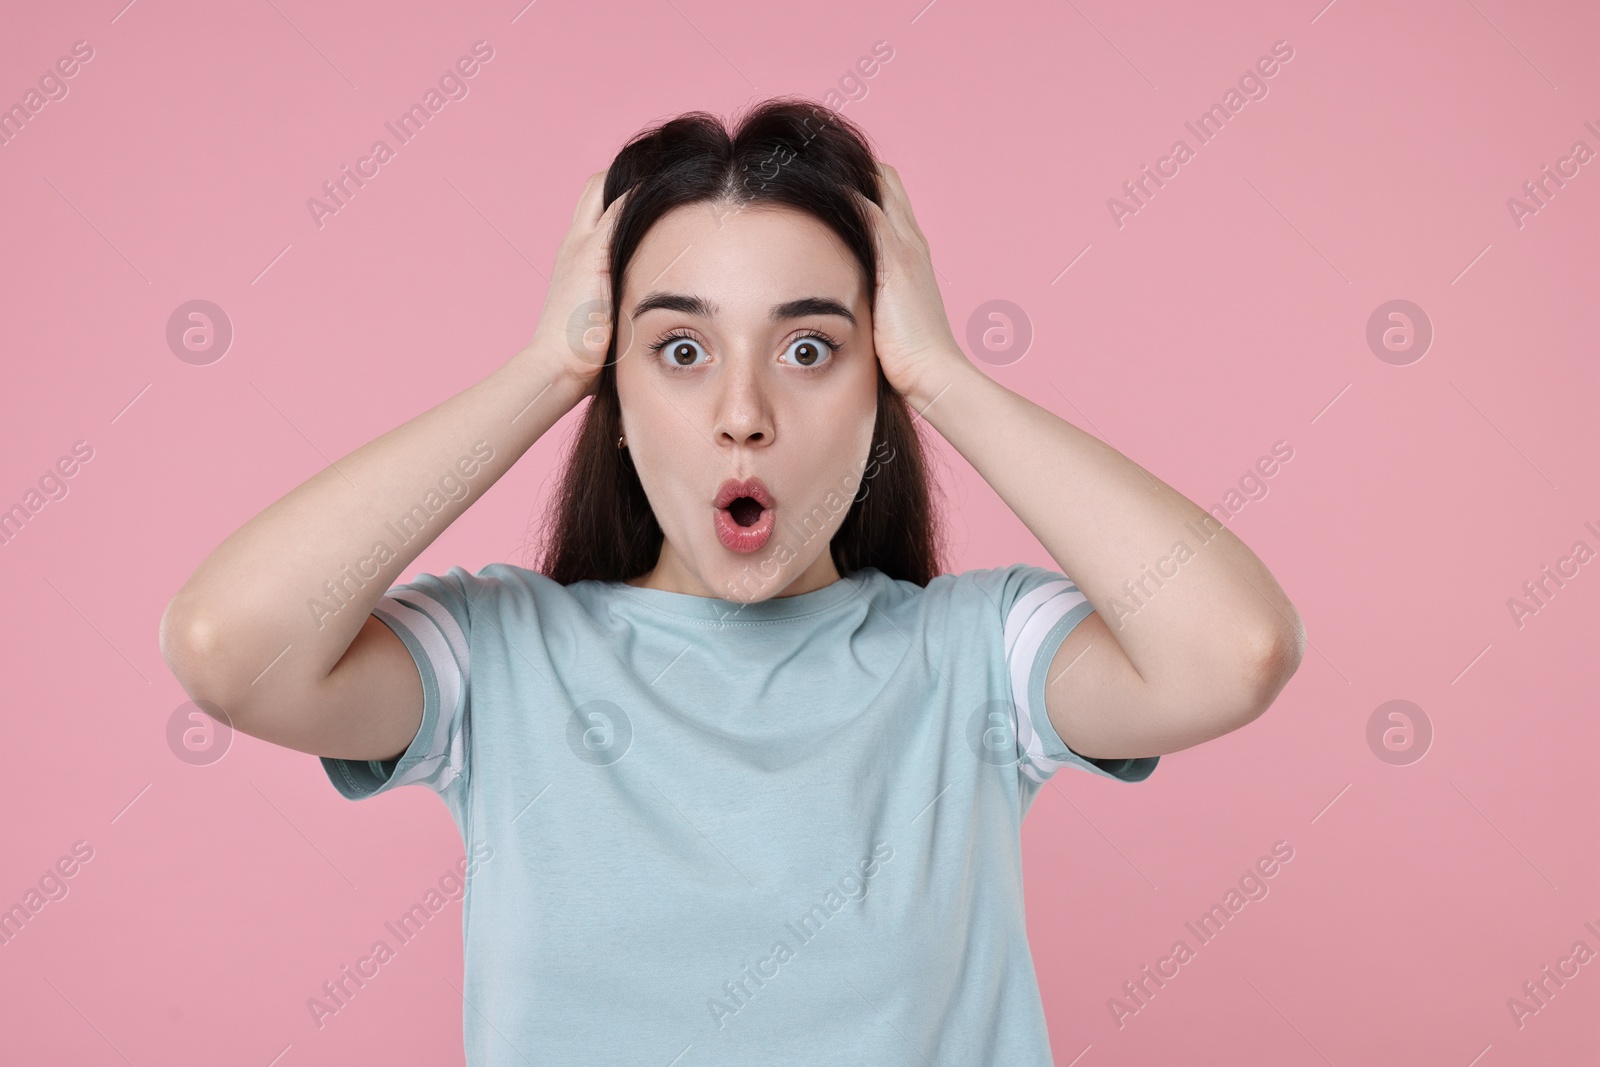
[734,613]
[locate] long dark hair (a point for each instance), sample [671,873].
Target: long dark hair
[786,151]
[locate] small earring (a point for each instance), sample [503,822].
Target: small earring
[622,442]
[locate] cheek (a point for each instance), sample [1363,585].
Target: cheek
[838,435]
[863,402]
[671,423]
[638,402]
[665,445]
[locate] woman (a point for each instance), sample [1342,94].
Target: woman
[741,772]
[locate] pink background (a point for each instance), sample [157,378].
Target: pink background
[1228,314]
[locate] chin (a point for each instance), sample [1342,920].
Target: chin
[740,581]
[746,579]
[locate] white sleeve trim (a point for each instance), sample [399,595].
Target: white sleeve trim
[448,653]
[1029,621]
[442,618]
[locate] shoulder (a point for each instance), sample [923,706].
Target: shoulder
[999,598]
[499,590]
[1001,592]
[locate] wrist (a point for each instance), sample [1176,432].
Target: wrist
[945,371]
[557,364]
[552,373]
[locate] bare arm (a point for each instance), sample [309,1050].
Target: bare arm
[245,632]
[1163,663]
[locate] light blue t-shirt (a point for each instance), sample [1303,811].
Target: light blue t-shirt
[709,833]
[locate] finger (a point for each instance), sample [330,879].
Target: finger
[897,202]
[588,209]
[893,191]
[607,228]
[888,212]
[887,231]
[612,216]
[878,225]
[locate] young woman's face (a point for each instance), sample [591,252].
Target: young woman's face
[744,384]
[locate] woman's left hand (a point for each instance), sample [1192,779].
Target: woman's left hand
[909,327]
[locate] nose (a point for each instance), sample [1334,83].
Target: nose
[744,410]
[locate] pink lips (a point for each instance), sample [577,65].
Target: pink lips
[734,488]
[743,539]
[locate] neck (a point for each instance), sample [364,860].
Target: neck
[671,574]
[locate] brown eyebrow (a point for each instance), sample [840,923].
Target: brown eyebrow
[688,305]
[697,305]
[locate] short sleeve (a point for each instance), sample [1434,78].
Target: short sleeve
[431,616]
[1039,608]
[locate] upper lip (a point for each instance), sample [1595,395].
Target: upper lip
[734,488]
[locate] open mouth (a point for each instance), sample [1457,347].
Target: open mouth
[744,517]
[745,510]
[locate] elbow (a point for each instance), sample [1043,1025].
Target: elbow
[172,635]
[1271,656]
[193,647]
[187,640]
[1251,675]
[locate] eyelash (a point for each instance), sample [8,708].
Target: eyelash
[684,335]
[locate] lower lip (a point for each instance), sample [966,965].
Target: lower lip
[744,539]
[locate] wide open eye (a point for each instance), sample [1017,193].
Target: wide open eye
[812,350]
[678,351]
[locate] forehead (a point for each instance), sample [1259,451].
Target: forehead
[750,255]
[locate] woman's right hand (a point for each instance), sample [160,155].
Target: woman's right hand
[348,689]
[575,326]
